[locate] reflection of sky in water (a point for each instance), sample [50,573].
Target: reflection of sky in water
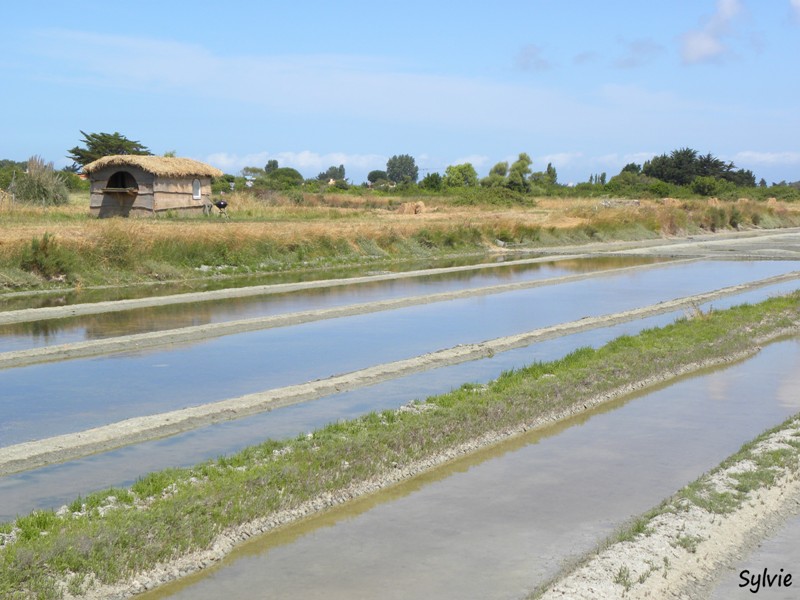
[15,301]
[789,391]
[495,525]
[779,551]
[47,399]
[59,331]
[55,485]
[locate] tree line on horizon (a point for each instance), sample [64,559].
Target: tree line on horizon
[684,170]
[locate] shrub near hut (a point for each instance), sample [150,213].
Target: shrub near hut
[40,184]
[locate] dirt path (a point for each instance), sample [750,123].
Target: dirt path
[29,455]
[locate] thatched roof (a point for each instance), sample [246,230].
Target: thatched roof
[162,166]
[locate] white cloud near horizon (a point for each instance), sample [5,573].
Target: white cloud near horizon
[558,160]
[706,44]
[767,158]
[476,160]
[306,161]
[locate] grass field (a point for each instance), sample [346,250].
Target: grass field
[65,247]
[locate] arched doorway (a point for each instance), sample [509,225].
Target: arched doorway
[122,181]
[122,189]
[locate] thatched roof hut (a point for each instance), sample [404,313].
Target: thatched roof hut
[133,185]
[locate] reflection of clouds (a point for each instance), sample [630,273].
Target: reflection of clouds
[718,385]
[789,389]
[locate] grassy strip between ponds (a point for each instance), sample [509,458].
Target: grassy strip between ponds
[111,536]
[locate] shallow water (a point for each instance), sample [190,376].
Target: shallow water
[49,399]
[16,301]
[61,331]
[779,551]
[495,524]
[53,486]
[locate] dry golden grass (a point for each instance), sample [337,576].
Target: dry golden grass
[289,221]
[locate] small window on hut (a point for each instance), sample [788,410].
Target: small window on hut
[196,190]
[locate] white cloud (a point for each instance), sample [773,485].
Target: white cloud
[705,44]
[560,159]
[701,46]
[307,162]
[751,157]
[531,58]
[298,85]
[614,162]
[727,10]
[639,53]
[795,5]
[476,160]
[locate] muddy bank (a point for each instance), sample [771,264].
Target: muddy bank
[685,546]
[29,455]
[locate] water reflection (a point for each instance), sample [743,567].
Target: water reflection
[59,397]
[57,331]
[494,525]
[15,301]
[779,551]
[53,486]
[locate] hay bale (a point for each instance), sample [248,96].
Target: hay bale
[412,208]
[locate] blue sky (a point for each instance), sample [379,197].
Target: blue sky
[586,85]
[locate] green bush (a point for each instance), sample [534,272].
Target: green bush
[40,184]
[705,186]
[715,218]
[662,189]
[74,183]
[280,179]
[8,171]
[46,258]
[735,218]
[500,196]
